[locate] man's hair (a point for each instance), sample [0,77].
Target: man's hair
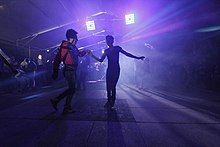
[109,37]
[70,33]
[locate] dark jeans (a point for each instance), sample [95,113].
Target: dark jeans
[112,77]
[81,80]
[70,76]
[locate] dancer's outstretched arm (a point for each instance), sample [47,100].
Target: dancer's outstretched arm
[99,59]
[130,55]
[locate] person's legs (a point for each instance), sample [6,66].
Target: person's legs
[109,94]
[108,85]
[61,96]
[115,81]
[78,80]
[108,89]
[113,89]
[71,78]
[84,80]
[113,96]
[112,86]
[57,99]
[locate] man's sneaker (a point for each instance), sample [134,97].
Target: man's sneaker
[112,108]
[107,104]
[17,75]
[54,104]
[68,111]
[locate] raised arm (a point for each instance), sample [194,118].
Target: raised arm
[82,53]
[99,59]
[130,55]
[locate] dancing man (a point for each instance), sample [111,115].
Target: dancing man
[68,53]
[113,70]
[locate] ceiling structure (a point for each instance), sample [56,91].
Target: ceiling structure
[42,23]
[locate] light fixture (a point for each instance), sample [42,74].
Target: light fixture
[90,25]
[129,19]
[39,57]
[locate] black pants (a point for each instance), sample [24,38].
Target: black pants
[70,76]
[112,77]
[81,80]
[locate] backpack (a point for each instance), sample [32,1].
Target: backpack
[64,55]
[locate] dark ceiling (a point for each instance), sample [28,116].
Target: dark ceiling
[42,23]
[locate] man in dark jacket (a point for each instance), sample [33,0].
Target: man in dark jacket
[68,53]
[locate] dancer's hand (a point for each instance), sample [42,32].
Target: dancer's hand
[142,57]
[147,59]
[89,52]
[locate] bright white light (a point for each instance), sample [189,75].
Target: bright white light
[48,61]
[48,50]
[129,19]
[90,25]
[103,51]
[40,57]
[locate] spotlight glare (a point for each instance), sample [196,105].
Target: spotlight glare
[40,57]
[129,19]
[90,25]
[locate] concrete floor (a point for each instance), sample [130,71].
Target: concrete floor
[142,118]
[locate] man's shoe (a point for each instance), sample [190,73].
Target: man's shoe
[54,104]
[17,75]
[68,111]
[107,104]
[112,108]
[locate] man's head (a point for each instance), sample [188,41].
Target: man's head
[109,40]
[71,36]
